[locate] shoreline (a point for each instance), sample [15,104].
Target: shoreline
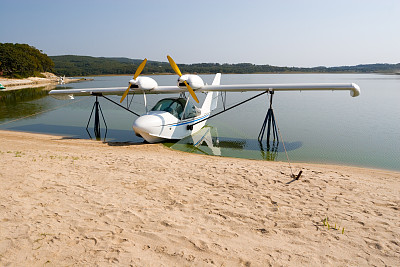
[298,163]
[49,82]
[68,201]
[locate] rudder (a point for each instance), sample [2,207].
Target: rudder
[211,101]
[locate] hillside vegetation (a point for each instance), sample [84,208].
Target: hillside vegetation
[22,61]
[84,66]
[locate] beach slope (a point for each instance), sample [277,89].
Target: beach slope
[80,202]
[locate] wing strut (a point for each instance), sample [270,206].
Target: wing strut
[270,124]
[97,111]
[270,121]
[234,106]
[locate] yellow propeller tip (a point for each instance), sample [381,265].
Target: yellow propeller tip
[140,69]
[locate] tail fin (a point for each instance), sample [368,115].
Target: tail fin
[211,101]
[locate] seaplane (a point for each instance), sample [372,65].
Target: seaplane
[178,117]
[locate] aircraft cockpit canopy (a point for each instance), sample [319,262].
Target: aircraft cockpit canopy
[176,106]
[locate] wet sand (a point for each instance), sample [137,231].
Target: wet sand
[80,202]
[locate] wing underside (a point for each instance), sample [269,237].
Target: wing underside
[70,93]
[352,87]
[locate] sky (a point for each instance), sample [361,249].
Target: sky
[280,33]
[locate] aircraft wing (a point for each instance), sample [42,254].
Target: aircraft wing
[65,94]
[352,87]
[70,93]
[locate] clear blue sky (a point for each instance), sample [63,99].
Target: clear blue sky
[282,33]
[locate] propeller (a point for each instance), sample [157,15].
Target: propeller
[177,71]
[137,73]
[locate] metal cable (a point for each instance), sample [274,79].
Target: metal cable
[283,143]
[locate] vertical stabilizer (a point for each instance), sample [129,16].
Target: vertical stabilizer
[211,101]
[217,79]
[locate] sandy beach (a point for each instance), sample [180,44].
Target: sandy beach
[49,82]
[79,202]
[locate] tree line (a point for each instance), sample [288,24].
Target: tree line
[23,60]
[72,65]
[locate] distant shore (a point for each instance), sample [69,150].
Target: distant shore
[50,81]
[79,202]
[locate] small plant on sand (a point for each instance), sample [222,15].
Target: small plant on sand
[325,221]
[18,154]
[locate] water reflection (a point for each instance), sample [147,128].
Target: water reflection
[12,97]
[15,103]
[208,142]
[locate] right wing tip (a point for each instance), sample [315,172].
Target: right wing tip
[355,91]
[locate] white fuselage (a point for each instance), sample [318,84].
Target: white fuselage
[157,126]
[176,118]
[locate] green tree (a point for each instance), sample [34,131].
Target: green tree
[23,60]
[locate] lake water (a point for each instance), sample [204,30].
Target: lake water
[323,127]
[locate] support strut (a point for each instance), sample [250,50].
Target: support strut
[269,124]
[96,128]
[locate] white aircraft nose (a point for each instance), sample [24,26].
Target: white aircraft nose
[149,127]
[148,122]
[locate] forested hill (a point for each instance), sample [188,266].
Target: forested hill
[84,66]
[23,60]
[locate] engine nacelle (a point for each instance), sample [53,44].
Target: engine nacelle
[193,80]
[143,83]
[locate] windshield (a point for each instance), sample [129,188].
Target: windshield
[176,106]
[173,106]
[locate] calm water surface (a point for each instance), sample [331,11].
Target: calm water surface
[326,127]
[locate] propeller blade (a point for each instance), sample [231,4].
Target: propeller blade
[137,73]
[177,71]
[191,92]
[140,68]
[125,93]
[174,66]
